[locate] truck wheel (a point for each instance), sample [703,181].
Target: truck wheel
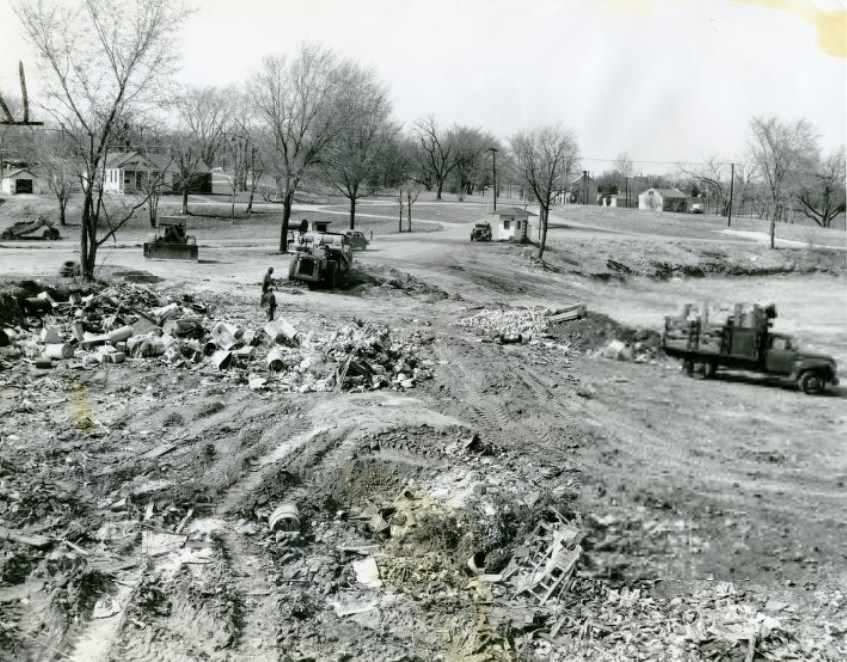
[709,369]
[688,367]
[291,268]
[812,383]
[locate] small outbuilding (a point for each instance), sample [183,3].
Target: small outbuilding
[511,222]
[663,199]
[22,180]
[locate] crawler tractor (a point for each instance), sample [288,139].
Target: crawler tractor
[322,258]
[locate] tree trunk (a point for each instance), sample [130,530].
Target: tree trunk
[440,187]
[352,212]
[773,232]
[286,216]
[185,201]
[249,209]
[409,204]
[543,220]
[153,210]
[62,206]
[400,227]
[87,243]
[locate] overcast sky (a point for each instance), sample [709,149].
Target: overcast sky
[664,80]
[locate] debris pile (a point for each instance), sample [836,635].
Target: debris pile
[718,622]
[129,322]
[638,351]
[519,325]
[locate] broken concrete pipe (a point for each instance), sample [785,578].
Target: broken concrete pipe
[225,334]
[59,351]
[286,516]
[280,331]
[222,359]
[476,563]
[120,334]
[210,347]
[275,360]
[43,363]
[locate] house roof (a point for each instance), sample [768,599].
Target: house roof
[161,161]
[19,171]
[512,211]
[668,192]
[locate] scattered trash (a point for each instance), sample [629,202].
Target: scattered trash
[367,572]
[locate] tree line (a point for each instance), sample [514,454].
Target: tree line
[312,118]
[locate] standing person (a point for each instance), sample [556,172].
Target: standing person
[269,301]
[267,283]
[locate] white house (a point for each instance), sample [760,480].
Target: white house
[510,223]
[129,172]
[23,180]
[663,199]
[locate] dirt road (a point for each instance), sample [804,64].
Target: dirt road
[154,484]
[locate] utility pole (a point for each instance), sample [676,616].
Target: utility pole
[585,187]
[626,203]
[731,184]
[494,155]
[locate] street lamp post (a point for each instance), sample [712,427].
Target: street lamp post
[494,155]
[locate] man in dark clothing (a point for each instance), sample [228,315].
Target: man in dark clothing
[268,281]
[269,301]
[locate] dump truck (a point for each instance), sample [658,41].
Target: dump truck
[40,228]
[741,338]
[321,258]
[171,241]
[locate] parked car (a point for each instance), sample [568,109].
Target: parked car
[357,238]
[481,232]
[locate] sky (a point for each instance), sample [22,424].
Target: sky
[664,80]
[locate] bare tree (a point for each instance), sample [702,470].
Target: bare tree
[296,101]
[436,156]
[202,116]
[55,160]
[355,154]
[101,58]
[470,154]
[822,192]
[781,151]
[623,165]
[542,157]
[714,175]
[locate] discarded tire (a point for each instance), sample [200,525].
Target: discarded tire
[69,269]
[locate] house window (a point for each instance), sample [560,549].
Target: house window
[507,224]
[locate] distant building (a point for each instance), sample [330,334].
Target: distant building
[663,199]
[23,180]
[129,172]
[579,191]
[510,223]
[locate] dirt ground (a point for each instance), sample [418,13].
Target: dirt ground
[140,502]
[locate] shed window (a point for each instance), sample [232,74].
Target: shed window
[507,224]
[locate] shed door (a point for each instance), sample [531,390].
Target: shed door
[23,186]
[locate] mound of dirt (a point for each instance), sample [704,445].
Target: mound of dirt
[595,330]
[385,280]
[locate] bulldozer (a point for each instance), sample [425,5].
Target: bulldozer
[322,258]
[170,241]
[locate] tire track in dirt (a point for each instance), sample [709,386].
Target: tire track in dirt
[260,603]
